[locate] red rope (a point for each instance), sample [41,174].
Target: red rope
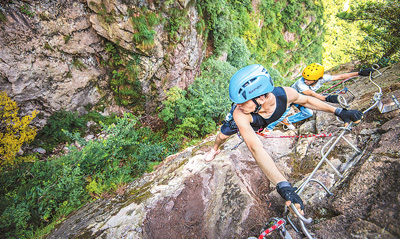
[295,136]
[271,229]
[337,84]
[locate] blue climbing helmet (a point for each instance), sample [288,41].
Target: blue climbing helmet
[249,83]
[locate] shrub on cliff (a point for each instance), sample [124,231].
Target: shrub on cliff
[52,133]
[36,195]
[14,130]
[195,112]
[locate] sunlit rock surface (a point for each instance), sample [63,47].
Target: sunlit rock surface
[230,197]
[52,57]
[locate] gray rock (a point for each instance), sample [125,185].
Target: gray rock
[51,61]
[39,150]
[20,152]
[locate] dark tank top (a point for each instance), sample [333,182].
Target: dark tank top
[229,126]
[281,106]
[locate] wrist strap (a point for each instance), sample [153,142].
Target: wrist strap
[338,111]
[282,185]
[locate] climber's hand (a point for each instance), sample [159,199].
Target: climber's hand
[366,72]
[288,193]
[332,99]
[349,115]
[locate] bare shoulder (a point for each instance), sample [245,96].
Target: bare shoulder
[241,118]
[291,94]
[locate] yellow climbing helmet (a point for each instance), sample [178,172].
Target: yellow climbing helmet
[313,71]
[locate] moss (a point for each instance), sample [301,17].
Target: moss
[2,17]
[48,47]
[201,146]
[182,163]
[301,167]
[78,64]
[89,234]
[67,38]
[68,75]
[142,197]
[26,10]
[176,166]
[139,195]
[323,214]
[166,180]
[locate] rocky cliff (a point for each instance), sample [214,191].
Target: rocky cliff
[52,51]
[55,54]
[231,198]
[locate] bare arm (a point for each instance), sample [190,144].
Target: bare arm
[307,101]
[344,76]
[263,159]
[313,94]
[255,146]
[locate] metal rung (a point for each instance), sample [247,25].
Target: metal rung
[302,219]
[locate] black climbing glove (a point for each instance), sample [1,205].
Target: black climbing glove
[366,72]
[348,115]
[289,193]
[332,99]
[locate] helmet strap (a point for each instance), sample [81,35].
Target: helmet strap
[258,106]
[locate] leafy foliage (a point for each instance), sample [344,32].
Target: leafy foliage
[177,20]
[228,21]
[52,133]
[239,55]
[143,23]
[2,16]
[302,20]
[14,130]
[224,20]
[26,10]
[204,104]
[37,194]
[380,20]
[124,83]
[339,35]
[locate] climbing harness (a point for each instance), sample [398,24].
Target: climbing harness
[274,224]
[302,220]
[241,141]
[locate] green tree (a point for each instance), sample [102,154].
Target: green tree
[380,20]
[339,35]
[239,55]
[195,112]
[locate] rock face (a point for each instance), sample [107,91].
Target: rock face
[231,198]
[51,52]
[169,61]
[48,56]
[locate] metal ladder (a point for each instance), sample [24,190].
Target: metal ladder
[302,220]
